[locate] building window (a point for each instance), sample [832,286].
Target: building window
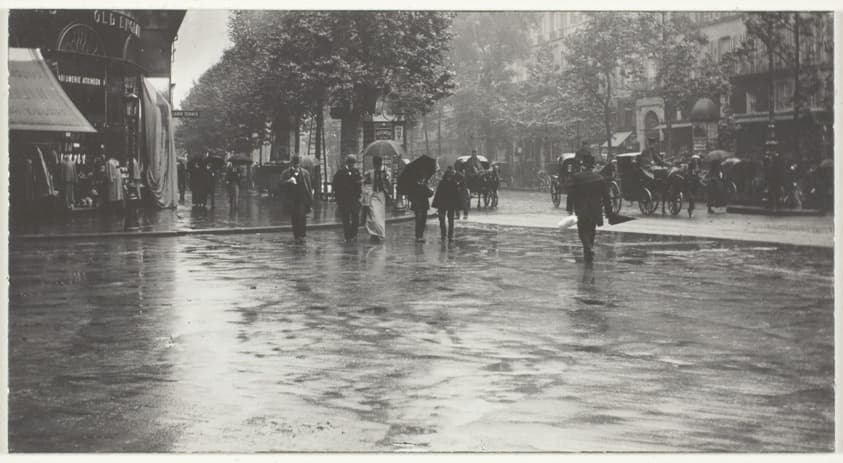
[757,102]
[79,38]
[724,45]
[783,95]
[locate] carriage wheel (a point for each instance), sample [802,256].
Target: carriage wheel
[646,204]
[615,197]
[555,195]
[674,201]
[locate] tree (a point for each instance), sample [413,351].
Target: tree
[398,55]
[289,65]
[600,55]
[782,36]
[674,47]
[484,50]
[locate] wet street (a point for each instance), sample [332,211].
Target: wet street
[501,341]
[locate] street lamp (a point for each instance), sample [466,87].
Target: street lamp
[131,210]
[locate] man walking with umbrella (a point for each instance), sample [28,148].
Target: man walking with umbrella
[589,196]
[299,195]
[347,189]
[413,182]
[419,196]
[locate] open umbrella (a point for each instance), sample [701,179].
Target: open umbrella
[307,162]
[240,158]
[483,160]
[716,155]
[385,149]
[422,167]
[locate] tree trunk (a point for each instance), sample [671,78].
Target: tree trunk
[797,135]
[320,126]
[668,124]
[439,133]
[426,139]
[349,129]
[607,116]
[298,136]
[771,95]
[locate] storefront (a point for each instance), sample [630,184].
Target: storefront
[100,59]
[43,122]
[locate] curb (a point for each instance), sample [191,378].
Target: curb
[196,231]
[756,210]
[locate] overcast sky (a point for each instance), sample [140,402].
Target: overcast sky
[202,38]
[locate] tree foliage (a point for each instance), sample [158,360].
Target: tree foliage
[293,63]
[601,57]
[484,50]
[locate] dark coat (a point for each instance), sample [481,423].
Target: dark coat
[447,195]
[299,194]
[347,186]
[589,195]
[649,157]
[464,194]
[420,197]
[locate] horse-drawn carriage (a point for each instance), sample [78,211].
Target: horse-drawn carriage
[667,186]
[566,168]
[484,184]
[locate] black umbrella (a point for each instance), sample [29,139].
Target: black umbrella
[422,167]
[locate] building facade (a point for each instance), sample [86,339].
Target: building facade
[102,61]
[100,57]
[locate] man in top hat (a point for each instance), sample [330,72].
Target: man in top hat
[582,154]
[299,195]
[588,197]
[650,156]
[347,190]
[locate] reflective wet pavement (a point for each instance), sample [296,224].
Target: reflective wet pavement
[252,211]
[500,341]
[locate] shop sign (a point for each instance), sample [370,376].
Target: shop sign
[187,114]
[399,134]
[383,131]
[81,80]
[117,21]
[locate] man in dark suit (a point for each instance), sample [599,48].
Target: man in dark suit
[581,155]
[589,197]
[347,190]
[299,195]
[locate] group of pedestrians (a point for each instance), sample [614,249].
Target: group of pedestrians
[201,174]
[362,197]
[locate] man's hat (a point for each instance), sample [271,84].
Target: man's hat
[350,158]
[295,159]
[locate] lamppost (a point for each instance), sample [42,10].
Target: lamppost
[131,210]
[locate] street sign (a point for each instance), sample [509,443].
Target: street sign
[187,114]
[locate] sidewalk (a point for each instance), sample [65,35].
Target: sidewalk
[254,214]
[517,209]
[535,210]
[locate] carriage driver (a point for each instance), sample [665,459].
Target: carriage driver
[473,166]
[649,156]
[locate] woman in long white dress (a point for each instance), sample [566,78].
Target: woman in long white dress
[377,180]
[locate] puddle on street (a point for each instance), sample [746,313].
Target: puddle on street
[500,341]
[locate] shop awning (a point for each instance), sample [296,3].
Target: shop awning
[36,99]
[617,139]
